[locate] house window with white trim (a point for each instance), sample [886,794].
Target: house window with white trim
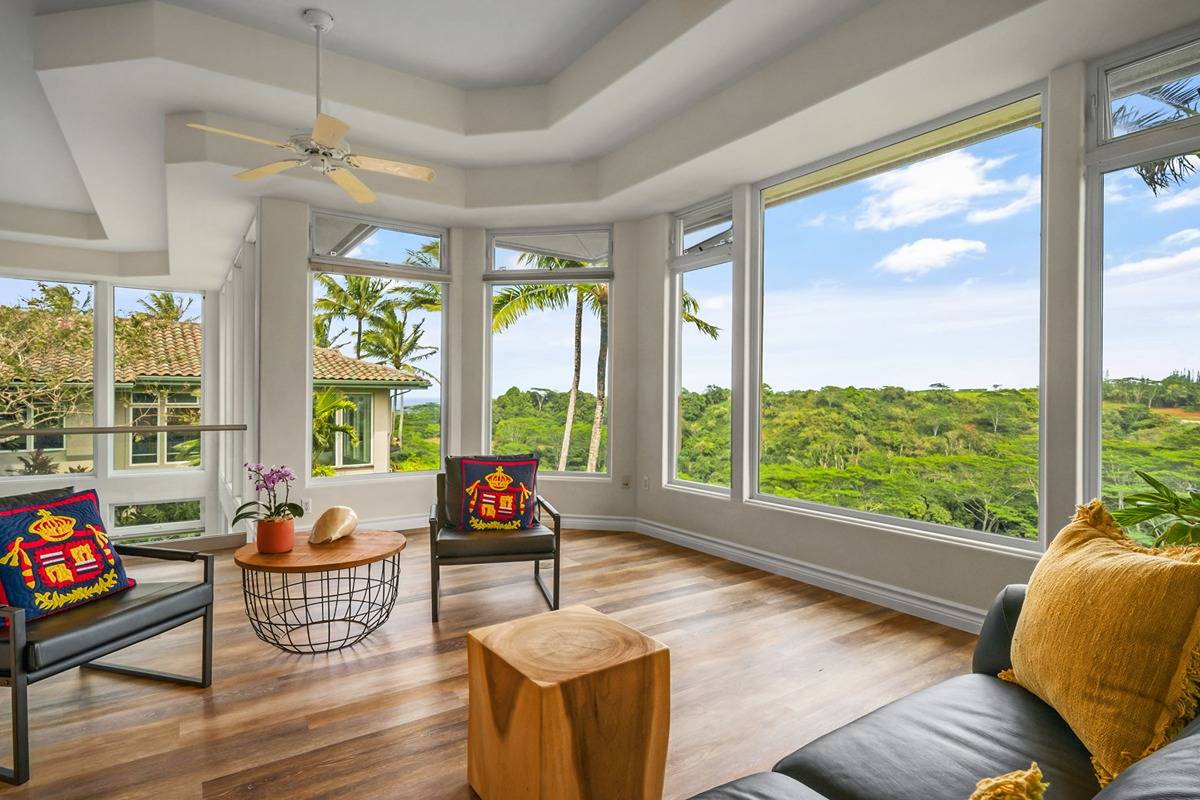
[158,365]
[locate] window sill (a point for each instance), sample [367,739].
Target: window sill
[701,489]
[577,476]
[366,477]
[995,543]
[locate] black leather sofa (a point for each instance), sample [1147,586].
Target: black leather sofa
[935,744]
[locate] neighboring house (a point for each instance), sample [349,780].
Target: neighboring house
[161,386]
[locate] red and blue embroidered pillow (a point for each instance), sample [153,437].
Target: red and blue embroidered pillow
[55,555]
[497,492]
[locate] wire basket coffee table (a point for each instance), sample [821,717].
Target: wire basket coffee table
[318,598]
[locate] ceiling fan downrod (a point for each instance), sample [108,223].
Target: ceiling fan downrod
[321,22]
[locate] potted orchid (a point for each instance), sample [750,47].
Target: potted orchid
[274,520]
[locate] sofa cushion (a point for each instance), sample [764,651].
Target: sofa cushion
[61,636]
[935,744]
[1109,635]
[761,786]
[452,543]
[1172,773]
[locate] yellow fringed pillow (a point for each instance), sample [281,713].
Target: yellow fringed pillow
[1109,637]
[1022,784]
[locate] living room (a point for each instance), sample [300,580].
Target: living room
[729,399]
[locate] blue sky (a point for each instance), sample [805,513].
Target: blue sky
[924,274]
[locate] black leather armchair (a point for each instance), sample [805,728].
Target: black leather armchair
[76,638]
[936,743]
[449,546]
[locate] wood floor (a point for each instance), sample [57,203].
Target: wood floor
[759,665]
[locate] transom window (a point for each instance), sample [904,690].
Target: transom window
[346,239]
[1163,89]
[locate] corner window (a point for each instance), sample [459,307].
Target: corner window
[550,348]
[158,366]
[1152,92]
[376,374]
[900,349]
[46,349]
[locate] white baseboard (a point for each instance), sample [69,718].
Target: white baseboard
[955,615]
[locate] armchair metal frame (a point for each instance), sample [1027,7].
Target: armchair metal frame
[437,521]
[19,678]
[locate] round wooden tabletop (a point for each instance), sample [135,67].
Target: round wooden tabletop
[362,547]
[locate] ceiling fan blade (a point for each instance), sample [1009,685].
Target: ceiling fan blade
[398,168]
[236,135]
[269,169]
[351,185]
[329,131]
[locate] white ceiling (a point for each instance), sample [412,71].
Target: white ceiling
[42,174]
[674,102]
[471,44]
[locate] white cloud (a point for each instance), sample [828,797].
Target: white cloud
[1032,196]
[1116,189]
[822,219]
[937,187]
[923,255]
[1184,236]
[1177,200]
[1188,259]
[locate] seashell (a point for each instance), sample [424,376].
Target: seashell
[334,523]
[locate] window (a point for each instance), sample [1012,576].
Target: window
[158,364]
[1152,92]
[704,229]
[550,349]
[46,347]
[551,249]
[900,329]
[376,374]
[158,522]
[352,239]
[1150,391]
[701,352]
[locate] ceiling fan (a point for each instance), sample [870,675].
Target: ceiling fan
[324,149]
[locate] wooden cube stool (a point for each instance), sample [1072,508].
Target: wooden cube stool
[569,705]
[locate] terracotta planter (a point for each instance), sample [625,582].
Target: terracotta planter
[275,535]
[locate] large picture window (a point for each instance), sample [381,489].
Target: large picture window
[46,351]
[550,349]
[158,365]
[376,374]
[900,329]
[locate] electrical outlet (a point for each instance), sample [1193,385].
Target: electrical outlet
[306,504]
[626,481]
[645,482]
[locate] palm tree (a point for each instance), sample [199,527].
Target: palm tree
[1180,97]
[322,332]
[357,298]
[512,303]
[390,339]
[164,306]
[326,404]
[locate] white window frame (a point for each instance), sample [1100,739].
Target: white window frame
[397,272]
[1105,155]
[755,348]
[162,410]
[680,264]
[339,440]
[1100,106]
[402,227]
[511,277]
[29,440]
